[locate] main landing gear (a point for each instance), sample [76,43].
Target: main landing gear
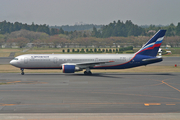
[22,71]
[87,72]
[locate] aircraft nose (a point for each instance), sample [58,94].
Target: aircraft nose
[12,62]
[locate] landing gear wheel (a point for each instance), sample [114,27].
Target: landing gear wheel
[87,73]
[22,71]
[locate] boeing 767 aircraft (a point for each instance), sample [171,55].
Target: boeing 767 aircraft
[70,63]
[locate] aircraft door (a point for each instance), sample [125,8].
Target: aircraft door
[96,59]
[55,60]
[26,60]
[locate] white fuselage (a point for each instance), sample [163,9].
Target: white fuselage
[55,61]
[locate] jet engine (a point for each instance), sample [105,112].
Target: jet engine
[70,68]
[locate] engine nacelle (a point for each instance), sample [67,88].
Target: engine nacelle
[68,68]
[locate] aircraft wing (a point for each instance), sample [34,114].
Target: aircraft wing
[88,64]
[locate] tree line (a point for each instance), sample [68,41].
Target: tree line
[114,29]
[119,28]
[81,27]
[114,34]
[7,27]
[40,39]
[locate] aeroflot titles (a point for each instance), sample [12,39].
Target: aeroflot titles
[33,57]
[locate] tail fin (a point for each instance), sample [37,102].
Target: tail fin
[152,46]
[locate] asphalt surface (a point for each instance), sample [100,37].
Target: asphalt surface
[169,61]
[5,60]
[99,93]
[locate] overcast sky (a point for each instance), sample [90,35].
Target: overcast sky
[67,12]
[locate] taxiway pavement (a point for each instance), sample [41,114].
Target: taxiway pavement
[5,60]
[98,93]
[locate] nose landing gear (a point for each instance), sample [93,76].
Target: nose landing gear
[22,71]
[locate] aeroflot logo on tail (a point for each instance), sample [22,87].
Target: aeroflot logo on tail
[33,57]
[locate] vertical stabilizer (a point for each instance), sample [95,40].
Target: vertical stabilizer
[152,46]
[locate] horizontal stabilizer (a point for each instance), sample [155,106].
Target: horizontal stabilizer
[151,59]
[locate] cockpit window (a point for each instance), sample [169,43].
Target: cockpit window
[15,59]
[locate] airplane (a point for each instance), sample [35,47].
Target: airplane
[71,63]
